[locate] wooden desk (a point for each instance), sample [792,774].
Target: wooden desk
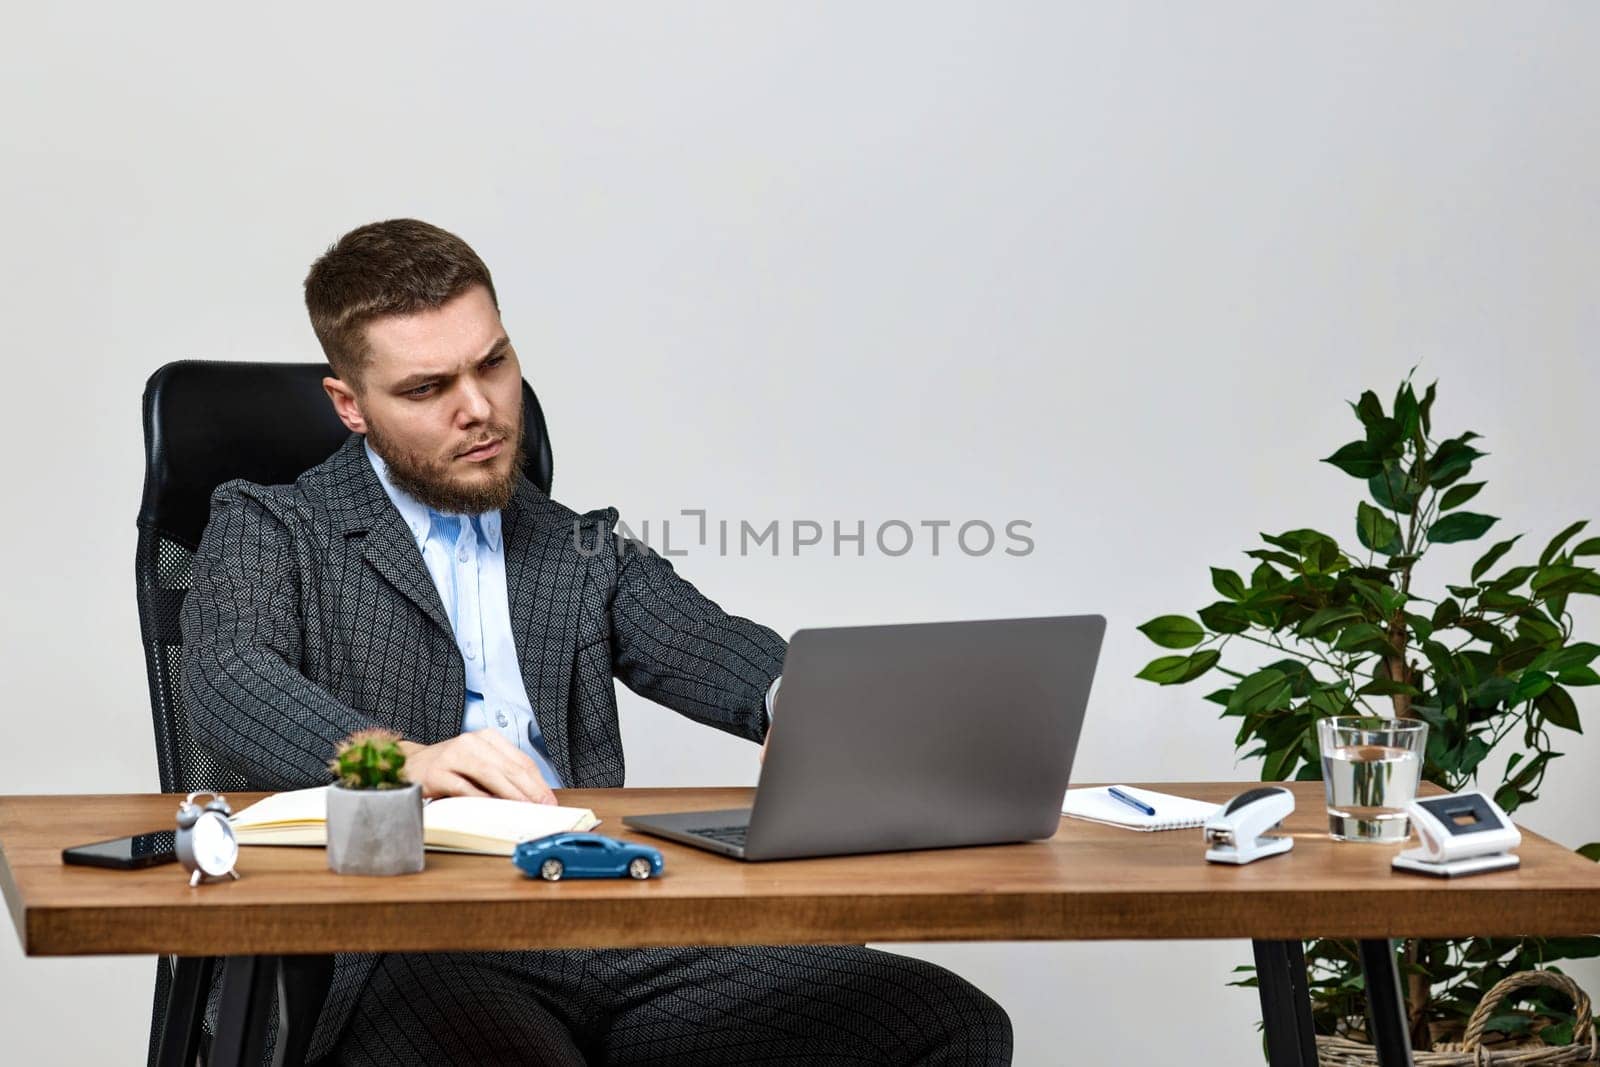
[1087,882]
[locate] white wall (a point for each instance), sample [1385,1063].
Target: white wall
[1113,269]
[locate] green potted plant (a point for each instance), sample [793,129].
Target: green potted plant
[374,814]
[1324,627]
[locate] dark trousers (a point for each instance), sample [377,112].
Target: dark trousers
[808,1005]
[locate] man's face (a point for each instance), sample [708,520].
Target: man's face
[441,403]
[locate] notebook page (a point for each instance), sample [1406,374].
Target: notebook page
[297,807]
[1095,804]
[480,819]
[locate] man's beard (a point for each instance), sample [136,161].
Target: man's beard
[429,482]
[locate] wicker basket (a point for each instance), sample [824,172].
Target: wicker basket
[1343,1052]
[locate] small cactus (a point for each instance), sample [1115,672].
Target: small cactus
[370,759]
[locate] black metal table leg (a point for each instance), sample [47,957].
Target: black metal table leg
[186,1010]
[1386,1009]
[248,983]
[303,983]
[1285,1003]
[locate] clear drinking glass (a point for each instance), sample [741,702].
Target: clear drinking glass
[1370,768]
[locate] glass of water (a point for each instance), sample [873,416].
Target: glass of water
[1370,768]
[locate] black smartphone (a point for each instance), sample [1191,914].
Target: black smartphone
[125,853]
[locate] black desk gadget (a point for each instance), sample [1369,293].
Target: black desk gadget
[1459,834]
[125,853]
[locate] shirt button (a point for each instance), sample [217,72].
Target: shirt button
[462,555]
[472,653]
[500,718]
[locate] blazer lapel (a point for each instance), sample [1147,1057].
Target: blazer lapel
[393,551]
[358,500]
[544,591]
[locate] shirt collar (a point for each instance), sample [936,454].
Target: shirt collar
[418,516]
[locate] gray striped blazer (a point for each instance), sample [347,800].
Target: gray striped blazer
[312,614]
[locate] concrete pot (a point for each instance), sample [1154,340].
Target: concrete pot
[375,831]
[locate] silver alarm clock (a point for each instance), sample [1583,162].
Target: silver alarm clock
[205,842]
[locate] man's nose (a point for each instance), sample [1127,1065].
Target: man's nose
[475,406]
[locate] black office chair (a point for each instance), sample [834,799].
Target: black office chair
[205,423]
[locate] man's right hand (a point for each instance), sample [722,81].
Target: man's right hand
[479,764]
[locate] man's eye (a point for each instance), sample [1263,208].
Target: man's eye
[420,391]
[494,362]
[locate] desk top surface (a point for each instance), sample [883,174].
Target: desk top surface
[1087,882]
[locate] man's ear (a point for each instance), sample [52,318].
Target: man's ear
[344,404]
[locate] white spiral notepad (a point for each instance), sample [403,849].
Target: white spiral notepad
[1172,813]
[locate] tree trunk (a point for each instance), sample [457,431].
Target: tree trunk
[1418,991]
[1397,670]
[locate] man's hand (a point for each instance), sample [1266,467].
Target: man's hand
[480,764]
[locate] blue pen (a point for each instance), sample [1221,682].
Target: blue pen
[1131,801]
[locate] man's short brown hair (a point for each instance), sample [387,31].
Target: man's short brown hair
[397,267]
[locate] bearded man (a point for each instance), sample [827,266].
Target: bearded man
[417,581]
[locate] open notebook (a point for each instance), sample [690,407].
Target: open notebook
[482,825]
[1172,813]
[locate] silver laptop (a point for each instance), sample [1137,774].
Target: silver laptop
[924,735]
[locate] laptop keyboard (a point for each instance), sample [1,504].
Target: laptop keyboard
[727,835]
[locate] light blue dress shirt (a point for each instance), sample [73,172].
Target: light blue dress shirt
[466,558]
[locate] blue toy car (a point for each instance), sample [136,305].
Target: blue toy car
[574,855]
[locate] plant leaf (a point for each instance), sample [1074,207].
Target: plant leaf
[1369,408]
[1491,557]
[1514,577]
[1406,412]
[1461,526]
[1283,559]
[1225,617]
[1262,691]
[1555,579]
[1559,710]
[1394,489]
[1264,578]
[1388,687]
[1499,600]
[1558,1033]
[1365,637]
[1175,670]
[1560,539]
[1579,676]
[1452,460]
[1357,460]
[1577,654]
[1323,619]
[1534,625]
[1530,685]
[1457,495]
[1228,583]
[1376,530]
[1420,625]
[1173,631]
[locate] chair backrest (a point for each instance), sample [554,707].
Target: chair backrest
[206,423]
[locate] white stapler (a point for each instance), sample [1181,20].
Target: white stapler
[1238,833]
[1463,833]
